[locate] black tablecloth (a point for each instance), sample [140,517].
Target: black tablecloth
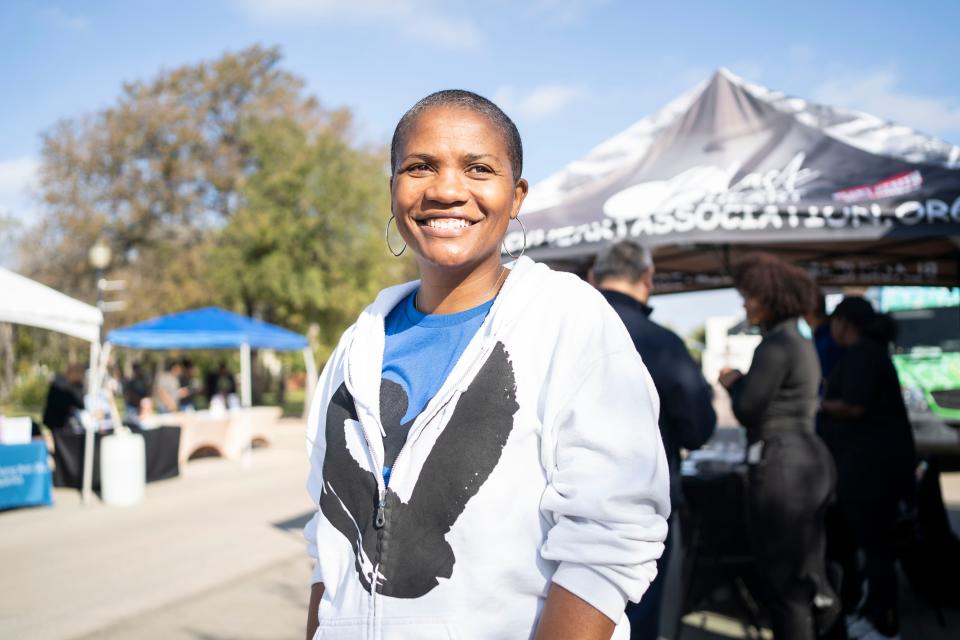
[161,448]
[715,507]
[719,572]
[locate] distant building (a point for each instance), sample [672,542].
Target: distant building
[730,342]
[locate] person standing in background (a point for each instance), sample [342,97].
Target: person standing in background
[220,383]
[167,391]
[135,389]
[623,272]
[791,476]
[865,424]
[65,398]
[828,351]
[189,386]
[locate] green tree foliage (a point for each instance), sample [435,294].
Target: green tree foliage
[306,243]
[216,183]
[696,343]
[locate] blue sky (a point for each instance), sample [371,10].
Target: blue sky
[571,72]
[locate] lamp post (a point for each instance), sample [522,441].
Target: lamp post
[99,256]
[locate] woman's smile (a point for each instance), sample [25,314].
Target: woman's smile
[445,227]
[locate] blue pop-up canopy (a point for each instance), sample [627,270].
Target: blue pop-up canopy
[207,328]
[214,328]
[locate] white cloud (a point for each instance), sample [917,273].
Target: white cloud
[66,20]
[564,12]
[876,93]
[423,20]
[17,177]
[537,102]
[440,31]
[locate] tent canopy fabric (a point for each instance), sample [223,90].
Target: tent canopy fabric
[732,167]
[207,328]
[26,302]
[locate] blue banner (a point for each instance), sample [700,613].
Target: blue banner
[25,478]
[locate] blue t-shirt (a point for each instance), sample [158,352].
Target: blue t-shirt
[419,353]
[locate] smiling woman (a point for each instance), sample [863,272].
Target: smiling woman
[456,185]
[459,425]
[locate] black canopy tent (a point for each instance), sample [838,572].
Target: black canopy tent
[731,167]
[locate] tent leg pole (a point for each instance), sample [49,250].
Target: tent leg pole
[246,402]
[89,441]
[246,397]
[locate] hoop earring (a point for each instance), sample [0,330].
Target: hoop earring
[522,249]
[387,236]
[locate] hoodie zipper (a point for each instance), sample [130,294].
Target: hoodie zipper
[381,519]
[379,514]
[425,419]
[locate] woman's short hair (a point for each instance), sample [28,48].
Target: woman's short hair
[461,99]
[787,291]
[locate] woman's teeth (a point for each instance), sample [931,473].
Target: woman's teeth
[447,223]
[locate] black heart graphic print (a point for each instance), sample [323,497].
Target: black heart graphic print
[410,549]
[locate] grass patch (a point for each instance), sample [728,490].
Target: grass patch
[292,405]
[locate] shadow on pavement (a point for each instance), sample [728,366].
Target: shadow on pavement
[294,524]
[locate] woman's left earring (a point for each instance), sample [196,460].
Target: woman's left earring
[503,246]
[387,235]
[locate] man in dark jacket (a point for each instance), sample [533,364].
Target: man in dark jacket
[623,272]
[64,398]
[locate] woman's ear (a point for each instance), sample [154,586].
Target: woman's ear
[520,191]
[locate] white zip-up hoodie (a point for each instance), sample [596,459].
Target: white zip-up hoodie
[538,461]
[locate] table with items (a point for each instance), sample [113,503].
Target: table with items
[25,478]
[161,448]
[718,572]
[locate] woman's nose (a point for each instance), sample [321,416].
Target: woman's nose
[447,188]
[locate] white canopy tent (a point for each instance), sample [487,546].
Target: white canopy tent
[26,302]
[29,303]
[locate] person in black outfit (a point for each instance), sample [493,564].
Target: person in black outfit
[135,389]
[791,476]
[220,383]
[64,398]
[865,425]
[623,273]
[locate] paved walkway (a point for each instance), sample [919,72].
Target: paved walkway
[71,571]
[214,555]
